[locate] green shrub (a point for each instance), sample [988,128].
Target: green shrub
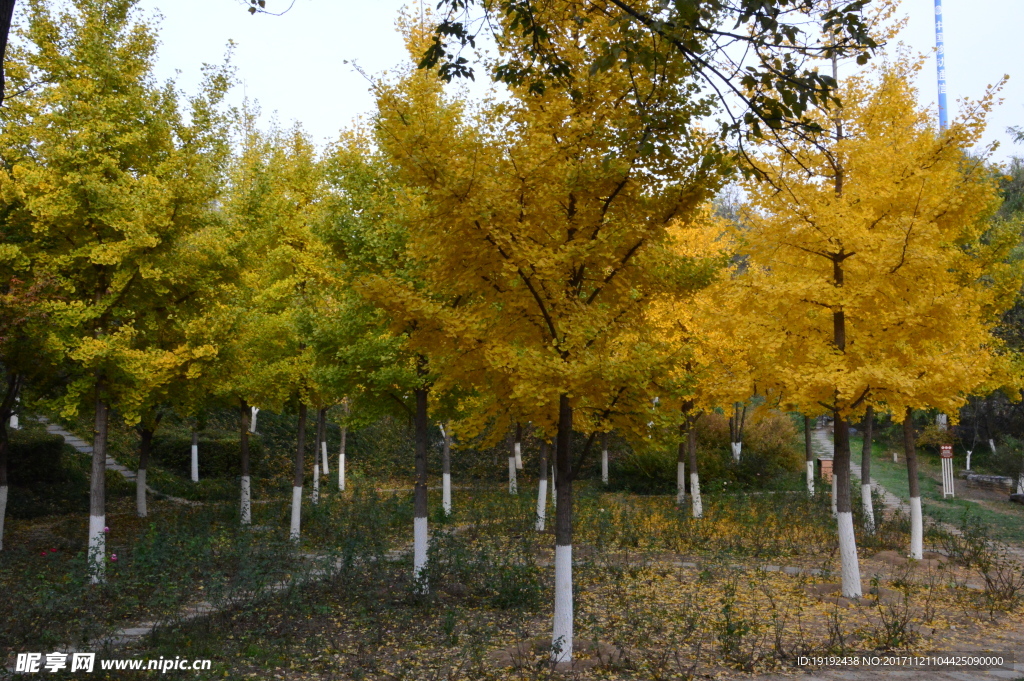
[34,456]
[220,453]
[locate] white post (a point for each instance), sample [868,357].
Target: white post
[252,421]
[561,639]
[947,478]
[195,456]
[695,502]
[246,501]
[512,488]
[316,483]
[296,513]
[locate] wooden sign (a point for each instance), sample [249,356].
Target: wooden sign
[947,451]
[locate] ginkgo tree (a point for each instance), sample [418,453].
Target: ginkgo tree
[543,221]
[865,256]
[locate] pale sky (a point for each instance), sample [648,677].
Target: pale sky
[295,64]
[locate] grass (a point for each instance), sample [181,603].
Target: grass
[1006,524]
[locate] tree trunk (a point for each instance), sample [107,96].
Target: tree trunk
[691,444]
[844,508]
[681,454]
[6,407]
[321,426]
[195,454]
[97,492]
[316,460]
[916,521]
[341,451]
[446,471]
[300,451]
[542,487]
[809,455]
[562,636]
[255,413]
[243,439]
[519,447]
[419,565]
[604,458]
[865,471]
[513,483]
[145,446]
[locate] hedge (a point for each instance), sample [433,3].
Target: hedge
[34,456]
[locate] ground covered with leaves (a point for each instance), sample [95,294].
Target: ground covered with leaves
[748,588]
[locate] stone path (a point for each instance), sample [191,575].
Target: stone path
[85,448]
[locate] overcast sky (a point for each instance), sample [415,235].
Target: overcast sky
[295,64]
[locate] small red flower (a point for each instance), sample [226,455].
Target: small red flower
[42,553]
[113,557]
[53,550]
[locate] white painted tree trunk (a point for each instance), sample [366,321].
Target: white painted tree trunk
[341,462]
[561,639]
[14,422]
[680,483]
[446,493]
[542,502]
[97,548]
[695,501]
[246,501]
[316,483]
[512,487]
[916,529]
[419,554]
[296,529]
[252,422]
[992,445]
[869,508]
[3,513]
[140,492]
[195,456]
[848,556]
[519,456]
[810,478]
[737,449]
[604,466]
[323,455]
[969,452]
[941,422]
[554,488]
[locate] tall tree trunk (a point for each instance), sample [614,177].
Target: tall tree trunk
[604,458]
[243,438]
[321,426]
[195,454]
[542,487]
[98,491]
[513,483]
[420,541]
[341,450]
[6,407]
[446,470]
[562,636]
[809,455]
[691,445]
[737,430]
[318,432]
[300,452]
[145,446]
[916,521]
[519,447]
[682,452]
[865,471]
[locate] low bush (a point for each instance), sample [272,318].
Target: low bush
[34,456]
[220,453]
